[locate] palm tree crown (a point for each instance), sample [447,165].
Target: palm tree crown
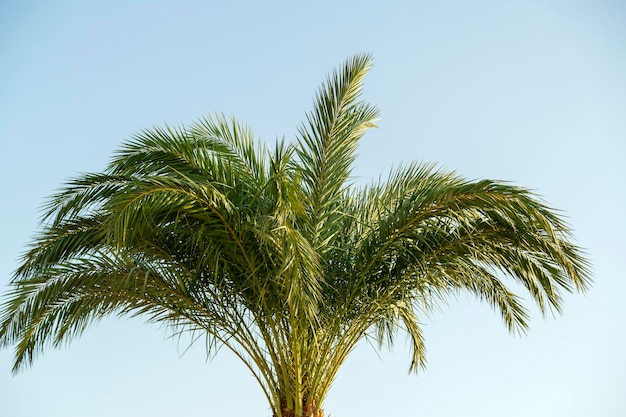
[275,253]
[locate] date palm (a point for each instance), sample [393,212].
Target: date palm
[275,254]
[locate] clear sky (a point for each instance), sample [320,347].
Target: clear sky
[533,92]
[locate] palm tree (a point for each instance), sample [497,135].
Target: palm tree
[275,254]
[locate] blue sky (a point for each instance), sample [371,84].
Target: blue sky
[531,92]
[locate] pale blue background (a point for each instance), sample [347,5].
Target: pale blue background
[528,91]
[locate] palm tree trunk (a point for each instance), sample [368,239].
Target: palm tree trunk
[308,410]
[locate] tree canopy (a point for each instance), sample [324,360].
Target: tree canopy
[276,253]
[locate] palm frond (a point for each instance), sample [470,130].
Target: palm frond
[327,143]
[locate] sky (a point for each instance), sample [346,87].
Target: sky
[531,92]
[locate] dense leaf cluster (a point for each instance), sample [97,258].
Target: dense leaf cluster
[275,253]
